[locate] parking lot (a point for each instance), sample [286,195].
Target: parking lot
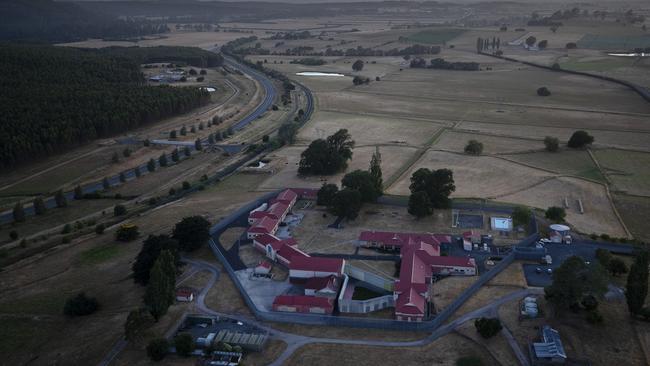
[559,253]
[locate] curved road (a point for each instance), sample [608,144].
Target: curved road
[295,341]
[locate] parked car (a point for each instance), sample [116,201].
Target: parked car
[538,270]
[549,271]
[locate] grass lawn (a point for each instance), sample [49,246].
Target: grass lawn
[43,303]
[612,42]
[596,65]
[574,162]
[628,170]
[362,293]
[435,35]
[100,254]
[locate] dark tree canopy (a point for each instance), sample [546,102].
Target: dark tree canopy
[551,144]
[637,283]
[327,156]
[191,233]
[151,249]
[157,349]
[420,204]
[326,194]
[521,216]
[488,327]
[363,182]
[160,290]
[573,280]
[543,92]
[80,305]
[357,65]
[438,185]
[346,203]
[184,344]
[137,324]
[127,232]
[580,139]
[555,213]
[41,79]
[474,147]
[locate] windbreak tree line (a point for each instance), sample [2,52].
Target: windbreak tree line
[55,98]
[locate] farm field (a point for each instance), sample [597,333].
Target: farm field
[455,141]
[568,161]
[435,35]
[628,170]
[396,157]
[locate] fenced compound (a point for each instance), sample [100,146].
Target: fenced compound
[371,278]
[348,321]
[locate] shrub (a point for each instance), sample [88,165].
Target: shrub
[67,229]
[184,344]
[521,216]
[469,361]
[594,317]
[474,147]
[555,213]
[580,139]
[127,232]
[13,235]
[589,302]
[80,305]
[186,185]
[551,144]
[488,327]
[571,46]
[99,229]
[119,210]
[66,239]
[543,92]
[157,349]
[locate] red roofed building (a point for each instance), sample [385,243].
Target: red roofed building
[393,241]
[420,261]
[279,250]
[265,225]
[306,193]
[304,304]
[277,210]
[302,268]
[287,197]
[322,286]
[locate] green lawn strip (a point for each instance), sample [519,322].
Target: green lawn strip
[435,35]
[100,254]
[362,293]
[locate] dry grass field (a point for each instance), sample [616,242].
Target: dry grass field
[628,170]
[444,351]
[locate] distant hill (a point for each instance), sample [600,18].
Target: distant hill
[46,21]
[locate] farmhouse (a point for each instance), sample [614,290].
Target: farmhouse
[304,304]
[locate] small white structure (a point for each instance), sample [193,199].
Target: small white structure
[560,234]
[184,295]
[263,267]
[467,245]
[501,223]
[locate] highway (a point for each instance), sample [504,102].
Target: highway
[269,96]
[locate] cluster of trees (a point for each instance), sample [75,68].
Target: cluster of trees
[439,63]
[359,80]
[474,147]
[38,80]
[358,187]
[327,156]
[488,327]
[577,285]
[193,56]
[155,267]
[415,49]
[580,139]
[430,189]
[54,21]
[292,35]
[484,44]
[309,61]
[80,305]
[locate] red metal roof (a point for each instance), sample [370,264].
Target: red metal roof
[264,225]
[264,264]
[299,300]
[400,239]
[265,239]
[287,195]
[411,303]
[317,264]
[289,252]
[319,283]
[452,261]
